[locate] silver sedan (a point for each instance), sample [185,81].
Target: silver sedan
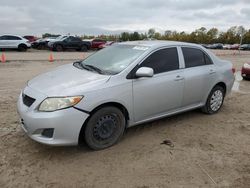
[126,84]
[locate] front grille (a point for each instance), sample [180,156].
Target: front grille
[28,101]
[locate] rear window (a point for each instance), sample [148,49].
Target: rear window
[195,57]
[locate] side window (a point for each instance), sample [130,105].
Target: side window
[69,39]
[76,39]
[193,57]
[13,38]
[162,60]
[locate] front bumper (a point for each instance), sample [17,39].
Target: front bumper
[28,45]
[66,123]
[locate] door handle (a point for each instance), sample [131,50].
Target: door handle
[211,71]
[178,78]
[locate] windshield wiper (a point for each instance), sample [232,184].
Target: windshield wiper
[81,65]
[96,69]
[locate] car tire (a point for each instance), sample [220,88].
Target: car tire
[59,48]
[104,128]
[214,101]
[40,47]
[84,48]
[22,48]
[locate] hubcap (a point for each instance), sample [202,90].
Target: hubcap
[216,100]
[105,127]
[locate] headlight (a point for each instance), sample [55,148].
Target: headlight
[57,103]
[246,65]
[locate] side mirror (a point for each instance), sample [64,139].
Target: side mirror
[144,72]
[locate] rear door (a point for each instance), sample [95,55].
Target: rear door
[76,43]
[199,75]
[164,91]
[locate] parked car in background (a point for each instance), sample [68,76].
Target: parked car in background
[95,43]
[14,42]
[121,86]
[245,71]
[57,39]
[42,44]
[30,38]
[234,47]
[108,43]
[69,42]
[226,46]
[244,47]
[215,46]
[204,45]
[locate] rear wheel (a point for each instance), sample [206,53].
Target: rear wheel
[104,128]
[22,48]
[84,48]
[214,101]
[40,47]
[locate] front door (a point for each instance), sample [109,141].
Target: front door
[163,92]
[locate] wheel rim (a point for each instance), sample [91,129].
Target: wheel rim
[216,100]
[59,48]
[105,127]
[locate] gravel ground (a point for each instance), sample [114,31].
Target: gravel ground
[209,151]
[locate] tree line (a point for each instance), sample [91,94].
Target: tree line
[234,35]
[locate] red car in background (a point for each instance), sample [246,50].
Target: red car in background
[245,71]
[30,38]
[108,43]
[95,43]
[234,47]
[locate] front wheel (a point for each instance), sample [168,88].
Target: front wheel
[214,101]
[104,128]
[83,48]
[22,48]
[59,48]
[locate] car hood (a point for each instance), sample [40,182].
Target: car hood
[65,80]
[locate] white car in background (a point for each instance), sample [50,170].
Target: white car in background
[14,42]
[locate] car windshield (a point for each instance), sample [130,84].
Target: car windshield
[114,59]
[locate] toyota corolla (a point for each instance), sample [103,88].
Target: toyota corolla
[126,84]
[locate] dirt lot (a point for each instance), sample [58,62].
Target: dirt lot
[209,151]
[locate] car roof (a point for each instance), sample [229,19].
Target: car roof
[159,43]
[12,35]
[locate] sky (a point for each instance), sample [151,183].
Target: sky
[94,17]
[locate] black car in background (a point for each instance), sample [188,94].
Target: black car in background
[69,42]
[244,47]
[215,46]
[42,44]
